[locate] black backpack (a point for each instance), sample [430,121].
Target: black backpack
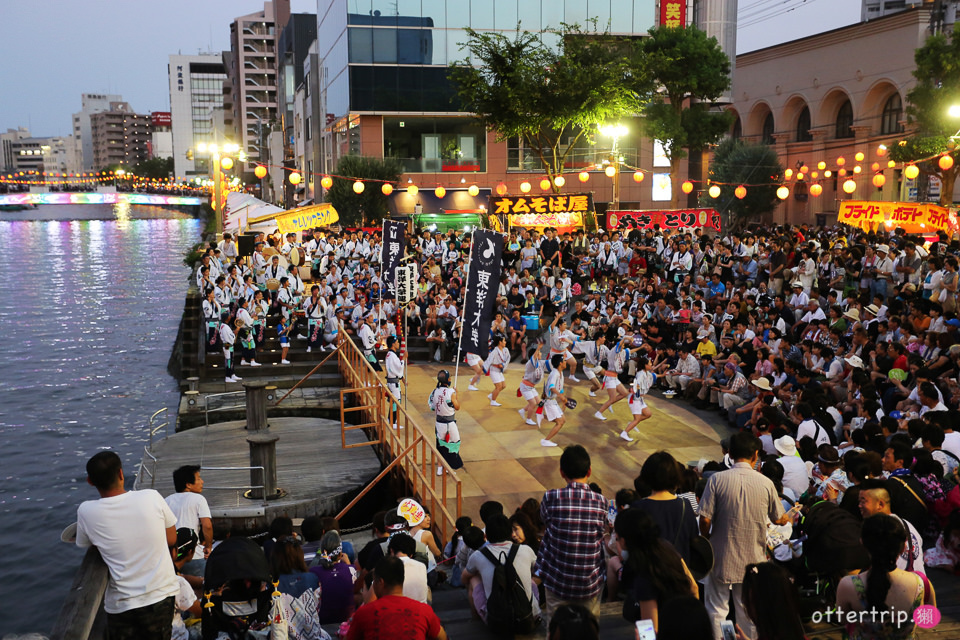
[509,610]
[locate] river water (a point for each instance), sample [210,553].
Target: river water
[92,299]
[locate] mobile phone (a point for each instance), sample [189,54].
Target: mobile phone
[727,630]
[645,630]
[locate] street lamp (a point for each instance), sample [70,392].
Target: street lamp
[615,131]
[220,156]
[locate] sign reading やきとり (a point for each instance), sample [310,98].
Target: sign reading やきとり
[667,219]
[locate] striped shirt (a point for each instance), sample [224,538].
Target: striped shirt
[738,503]
[570,560]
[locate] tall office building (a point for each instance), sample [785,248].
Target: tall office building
[90,103]
[253,75]
[119,136]
[196,97]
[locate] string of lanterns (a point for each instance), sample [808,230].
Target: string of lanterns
[911,171]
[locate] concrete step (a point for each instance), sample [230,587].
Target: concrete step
[453,609]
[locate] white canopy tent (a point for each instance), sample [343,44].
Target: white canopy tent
[241,207]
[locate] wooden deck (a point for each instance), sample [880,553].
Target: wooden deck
[315,473]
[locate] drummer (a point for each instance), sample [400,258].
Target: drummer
[315,308]
[296,283]
[289,245]
[274,272]
[287,301]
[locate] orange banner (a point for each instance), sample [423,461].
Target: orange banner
[909,216]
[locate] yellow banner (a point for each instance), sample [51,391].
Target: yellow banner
[303,219]
[909,216]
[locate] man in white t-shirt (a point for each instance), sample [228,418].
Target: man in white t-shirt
[192,511]
[795,475]
[133,530]
[478,574]
[809,427]
[403,546]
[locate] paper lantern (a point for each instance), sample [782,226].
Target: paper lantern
[440,192]
[386,188]
[740,192]
[412,190]
[260,171]
[849,186]
[473,190]
[842,172]
[875,166]
[891,164]
[879,180]
[610,171]
[686,186]
[815,190]
[584,176]
[501,189]
[783,192]
[326,182]
[227,163]
[945,162]
[841,161]
[358,187]
[857,169]
[827,173]
[544,184]
[638,176]
[788,173]
[858,156]
[525,187]
[559,181]
[714,191]
[911,171]
[821,165]
[814,175]
[800,177]
[804,169]
[294,178]
[882,150]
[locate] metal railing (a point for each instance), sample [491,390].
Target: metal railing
[237,488]
[207,410]
[407,449]
[153,428]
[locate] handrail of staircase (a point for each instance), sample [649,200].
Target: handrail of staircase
[304,378]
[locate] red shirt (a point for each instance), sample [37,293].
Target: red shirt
[394,618]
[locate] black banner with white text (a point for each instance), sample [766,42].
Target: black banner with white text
[483,280]
[391,253]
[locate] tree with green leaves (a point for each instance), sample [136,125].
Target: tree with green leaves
[736,163]
[690,72]
[369,207]
[928,110]
[548,97]
[158,168]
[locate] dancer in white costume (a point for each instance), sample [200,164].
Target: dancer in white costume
[532,375]
[496,363]
[641,386]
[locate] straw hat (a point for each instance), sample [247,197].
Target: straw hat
[762,383]
[874,309]
[853,314]
[854,361]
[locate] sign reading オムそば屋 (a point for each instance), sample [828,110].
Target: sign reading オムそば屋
[546,204]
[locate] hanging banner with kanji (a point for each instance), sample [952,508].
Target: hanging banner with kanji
[669,219]
[673,13]
[483,278]
[391,253]
[909,216]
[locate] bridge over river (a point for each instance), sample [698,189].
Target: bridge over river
[94,197]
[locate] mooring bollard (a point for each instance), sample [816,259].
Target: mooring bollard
[263,453]
[193,383]
[256,405]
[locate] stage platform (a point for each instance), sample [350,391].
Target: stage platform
[503,459]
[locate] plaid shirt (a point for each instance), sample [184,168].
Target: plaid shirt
[570,560]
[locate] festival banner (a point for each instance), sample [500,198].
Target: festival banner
[541,205]
[483,279]
[909,216]
[673,13]
[305,218]
[391,253]
[669,219]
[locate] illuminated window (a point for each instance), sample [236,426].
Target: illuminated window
[661,189]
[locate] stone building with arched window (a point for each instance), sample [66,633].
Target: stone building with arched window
[831,96]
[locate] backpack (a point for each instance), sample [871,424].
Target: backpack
[509,611]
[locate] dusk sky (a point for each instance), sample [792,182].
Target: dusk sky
[57,49]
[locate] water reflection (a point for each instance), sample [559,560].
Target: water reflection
[90,314]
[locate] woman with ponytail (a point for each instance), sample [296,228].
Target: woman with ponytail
[652,567]
[883,588]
